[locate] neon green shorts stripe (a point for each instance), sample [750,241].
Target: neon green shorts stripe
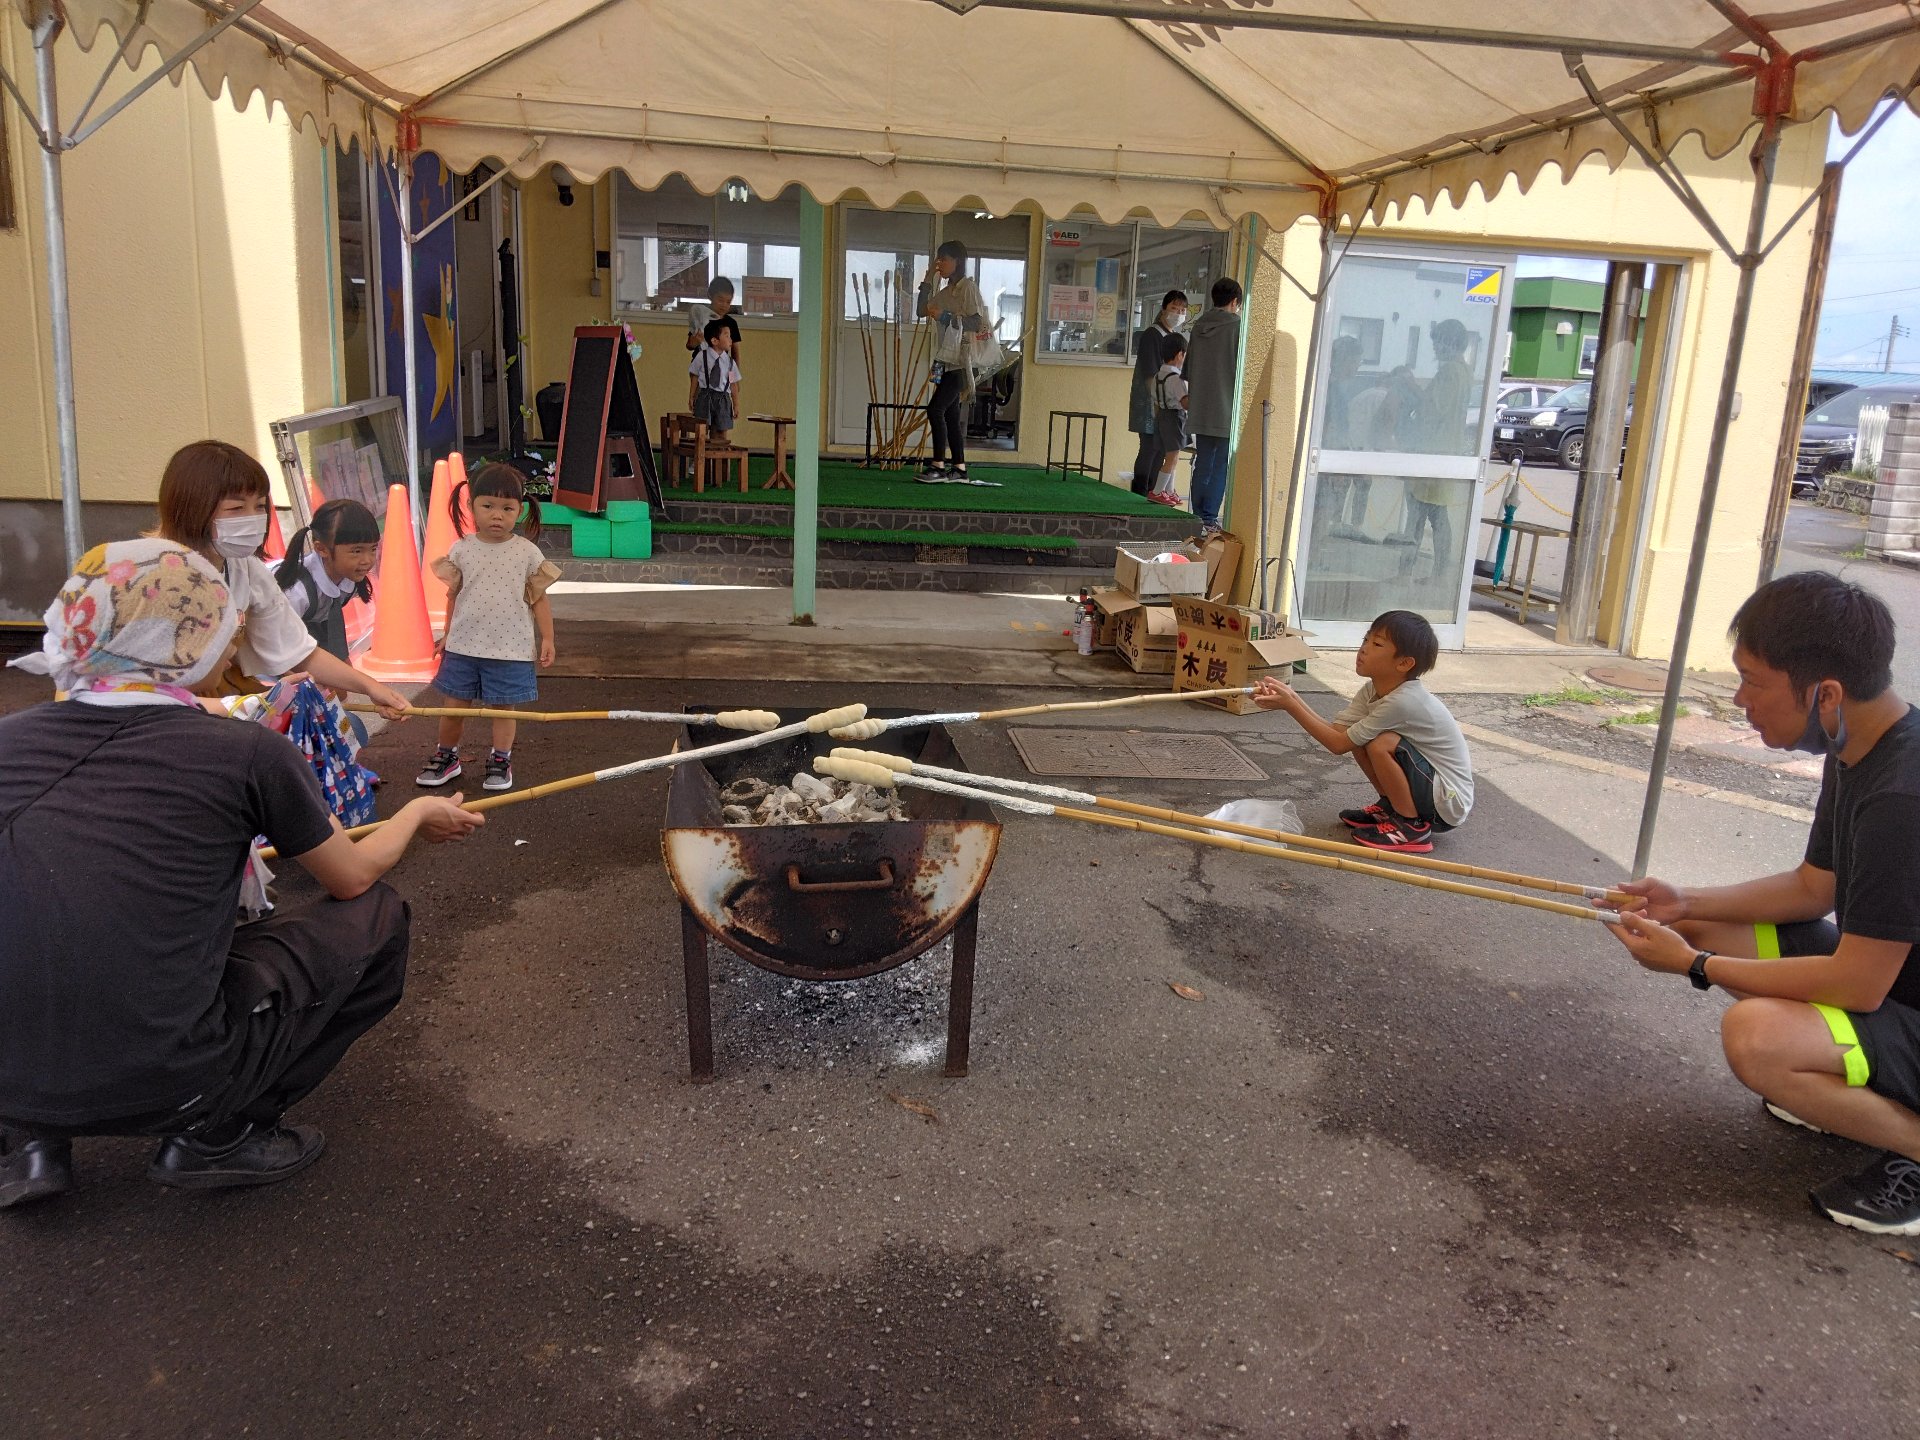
[1840,1026]
[1766,939]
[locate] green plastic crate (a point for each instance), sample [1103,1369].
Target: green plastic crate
[592,539]
[633,539]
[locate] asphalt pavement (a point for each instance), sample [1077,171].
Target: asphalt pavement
[1409,1166]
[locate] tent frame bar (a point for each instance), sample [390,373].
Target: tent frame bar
[296,53]
[47,25]
[165,72]
[1661,165]
[106,74]
[1158,12]
[879,160]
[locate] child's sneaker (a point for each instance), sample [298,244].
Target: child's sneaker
[1396,833]
[444,766]
[499,771]
[1374,814]
[1883,1199]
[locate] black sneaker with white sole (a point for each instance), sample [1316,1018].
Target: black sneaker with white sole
[934,475]
[442,767]
[499,771]
[1787,1117]
[1883,1199]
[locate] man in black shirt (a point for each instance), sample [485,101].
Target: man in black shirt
[129,1001]
[1826,1026]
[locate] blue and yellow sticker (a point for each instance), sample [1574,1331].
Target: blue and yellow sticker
[1483,285]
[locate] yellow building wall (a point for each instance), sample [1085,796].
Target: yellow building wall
[197,254]
[1627,213]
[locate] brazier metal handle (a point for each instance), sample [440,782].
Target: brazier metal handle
[882,881]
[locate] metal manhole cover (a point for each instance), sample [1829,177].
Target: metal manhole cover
[1143,755]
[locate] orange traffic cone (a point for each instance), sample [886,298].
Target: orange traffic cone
[402,641]
[440,538]
[276,546]
[456,477]
[314,500]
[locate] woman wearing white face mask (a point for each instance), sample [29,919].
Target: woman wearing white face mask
[213,499]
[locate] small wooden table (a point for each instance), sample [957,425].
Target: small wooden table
[780,479]
[1526,596]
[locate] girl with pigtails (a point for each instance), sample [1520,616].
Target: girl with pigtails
[499,625]
[327,565]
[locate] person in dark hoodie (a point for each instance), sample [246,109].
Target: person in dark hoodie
[1213,360]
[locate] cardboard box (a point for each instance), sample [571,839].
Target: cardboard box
[1209,570]
[1214,651]
[1142,634]
[1145,578]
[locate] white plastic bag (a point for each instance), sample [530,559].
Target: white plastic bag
[1266,814]
[985,358]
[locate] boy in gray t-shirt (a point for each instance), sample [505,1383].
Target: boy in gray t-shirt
[1405,741]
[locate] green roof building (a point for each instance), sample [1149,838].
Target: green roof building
[1554,331]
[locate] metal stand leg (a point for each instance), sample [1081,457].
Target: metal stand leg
[693,944]
[960,994]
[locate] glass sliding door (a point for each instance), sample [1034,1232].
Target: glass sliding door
[1409,357]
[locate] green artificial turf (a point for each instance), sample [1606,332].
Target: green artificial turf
[875,537]
[1024,490]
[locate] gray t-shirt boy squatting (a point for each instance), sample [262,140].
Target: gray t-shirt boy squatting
[1411,711]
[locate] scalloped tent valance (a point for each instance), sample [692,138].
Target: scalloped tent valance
[1174,108]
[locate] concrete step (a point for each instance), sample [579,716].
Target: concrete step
[687,568]
[1173,526]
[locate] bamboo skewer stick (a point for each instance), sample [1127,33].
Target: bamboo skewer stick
[817,724]
[901,765]
[866,729]
[880,776]
[862,304]
[753,720]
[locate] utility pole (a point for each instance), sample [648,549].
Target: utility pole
[1895,331]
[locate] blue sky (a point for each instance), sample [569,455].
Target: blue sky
[1875,271]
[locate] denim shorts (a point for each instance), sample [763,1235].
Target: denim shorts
[490,682]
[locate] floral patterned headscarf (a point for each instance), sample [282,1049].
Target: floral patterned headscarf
[137,615]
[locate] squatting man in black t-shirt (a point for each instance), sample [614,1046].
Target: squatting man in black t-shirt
[130,1004]
[1825,1026]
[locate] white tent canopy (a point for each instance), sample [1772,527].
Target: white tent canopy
[1173,108]
[1218,108]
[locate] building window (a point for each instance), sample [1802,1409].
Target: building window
[670,243]
[1589,353]
[1102,284]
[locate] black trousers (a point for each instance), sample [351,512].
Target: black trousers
[303,985]
[946,417]
[1147,463]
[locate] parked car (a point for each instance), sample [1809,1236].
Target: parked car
[1831,433]
[1556,430]
[1516,395]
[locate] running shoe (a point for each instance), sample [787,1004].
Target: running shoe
[444,766]
[1787,1117]
[499,771]
[1397,833]
[1374,814]
[1883,1199]
[934,475]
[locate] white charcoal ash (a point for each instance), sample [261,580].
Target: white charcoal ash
[810,800]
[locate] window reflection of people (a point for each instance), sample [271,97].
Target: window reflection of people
[1440,428]
[1353,407]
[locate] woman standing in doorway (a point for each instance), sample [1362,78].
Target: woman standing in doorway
[958,315]
[1142,415]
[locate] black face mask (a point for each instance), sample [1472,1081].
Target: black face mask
[1814,739]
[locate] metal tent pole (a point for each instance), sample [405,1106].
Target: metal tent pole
[1309,361]
[1748,260]
[806,404]
[46,30]
[409,349]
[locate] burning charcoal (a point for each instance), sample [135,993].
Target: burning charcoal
[735,815]
[747,790]
[813,788]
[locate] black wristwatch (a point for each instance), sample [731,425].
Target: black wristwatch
[1697,972]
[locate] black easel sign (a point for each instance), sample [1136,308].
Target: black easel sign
[603,421]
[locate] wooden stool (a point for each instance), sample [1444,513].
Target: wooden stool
[710,462]
[677,447]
